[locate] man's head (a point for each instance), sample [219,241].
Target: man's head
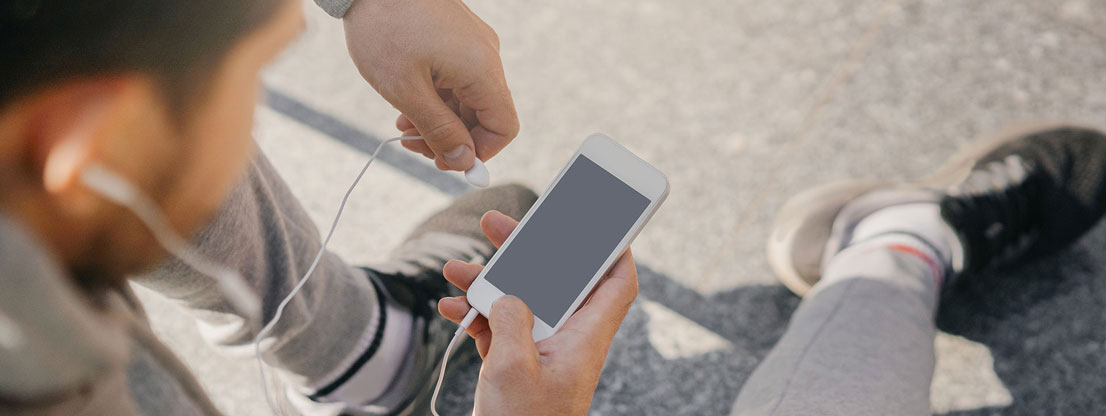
[160,92]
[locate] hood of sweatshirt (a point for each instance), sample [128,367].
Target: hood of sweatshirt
[53,337]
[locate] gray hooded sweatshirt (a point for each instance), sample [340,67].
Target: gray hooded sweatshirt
[67,352]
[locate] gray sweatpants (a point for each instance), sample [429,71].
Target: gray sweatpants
[861,343]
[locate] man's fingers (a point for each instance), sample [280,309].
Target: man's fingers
[512,346]
[418,146]
[478,327]
[404,124]
[408,129]
[607,307]
[461,274]
[497,226]
[453,308]
[488,142]
[485,106]
[497,120]
[441,128]
[468,115]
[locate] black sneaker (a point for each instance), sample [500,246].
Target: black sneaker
[1021,193]
[412,278]
[1030,194]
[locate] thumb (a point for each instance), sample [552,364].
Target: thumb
[441,128]
[512,325]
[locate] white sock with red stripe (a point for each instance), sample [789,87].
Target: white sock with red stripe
[916,229]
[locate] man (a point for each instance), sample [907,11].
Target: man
[161,95]
[872,259]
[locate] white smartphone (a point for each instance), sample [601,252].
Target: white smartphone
[573,234]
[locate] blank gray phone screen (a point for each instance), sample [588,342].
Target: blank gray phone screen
[566,241]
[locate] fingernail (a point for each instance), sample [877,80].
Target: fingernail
[457,157]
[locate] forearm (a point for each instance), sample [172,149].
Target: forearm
[264,233]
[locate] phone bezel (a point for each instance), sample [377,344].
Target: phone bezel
[625,166]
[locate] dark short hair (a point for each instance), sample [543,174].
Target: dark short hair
[179,43]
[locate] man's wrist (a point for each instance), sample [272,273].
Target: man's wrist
[336,8]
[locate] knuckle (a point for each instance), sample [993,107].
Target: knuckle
[485,56]
[494,37]
[442,129]
[506,365]
[513,129]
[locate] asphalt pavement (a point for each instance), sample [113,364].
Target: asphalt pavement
[742,103]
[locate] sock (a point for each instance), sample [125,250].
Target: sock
[901,261]
[377,363]
[921,221]
[856,259]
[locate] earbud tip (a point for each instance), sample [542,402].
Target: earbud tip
[478,174]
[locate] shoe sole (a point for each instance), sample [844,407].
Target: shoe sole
[808,203]
[790,221]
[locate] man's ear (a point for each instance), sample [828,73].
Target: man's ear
[70,128]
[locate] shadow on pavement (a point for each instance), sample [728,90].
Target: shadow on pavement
[637,379]
[640,381]
[1043,323]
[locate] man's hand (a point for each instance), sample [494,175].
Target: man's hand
[438,63]
[558,375]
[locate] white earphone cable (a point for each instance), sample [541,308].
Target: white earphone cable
[117,189]
[322,249]
[469,317]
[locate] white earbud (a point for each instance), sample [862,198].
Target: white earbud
[478,174]
[120,191]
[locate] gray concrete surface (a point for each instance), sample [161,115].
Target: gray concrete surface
[742,103]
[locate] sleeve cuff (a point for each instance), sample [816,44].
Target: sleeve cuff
[336,8]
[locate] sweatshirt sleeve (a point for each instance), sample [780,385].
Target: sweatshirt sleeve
[263,232]
[336,8]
